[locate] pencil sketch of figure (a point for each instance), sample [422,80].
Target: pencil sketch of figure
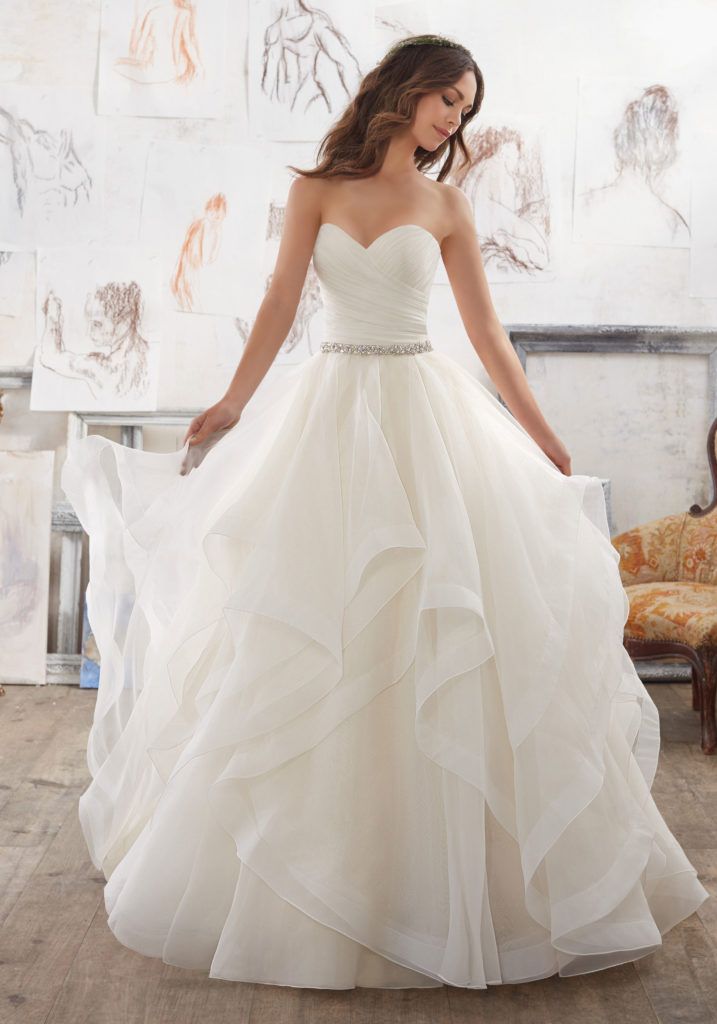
[306,58]
[163,46]
[25,521]
[19,578]
[46,169]
[507,189]
[200,247]
[119,362]
[645,142]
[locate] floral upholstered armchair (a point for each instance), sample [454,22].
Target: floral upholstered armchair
[668,568]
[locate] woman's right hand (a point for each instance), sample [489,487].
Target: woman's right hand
[223,415]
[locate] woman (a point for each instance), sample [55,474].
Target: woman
[365,716]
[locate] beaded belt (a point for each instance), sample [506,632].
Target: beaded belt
[397,347]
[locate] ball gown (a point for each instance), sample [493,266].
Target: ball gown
[365,717]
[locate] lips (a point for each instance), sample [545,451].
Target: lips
[442,131]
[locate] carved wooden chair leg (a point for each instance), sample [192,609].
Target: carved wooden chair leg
[708,656]
[696,691]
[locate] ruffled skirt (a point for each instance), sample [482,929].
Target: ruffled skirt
[365,716]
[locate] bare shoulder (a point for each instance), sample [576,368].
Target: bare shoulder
[305,202]
[308,200]
[305,194]
[456,207]
[454,212]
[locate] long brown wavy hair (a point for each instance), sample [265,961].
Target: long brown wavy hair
[385,103]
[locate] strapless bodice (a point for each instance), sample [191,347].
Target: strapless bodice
[376,294]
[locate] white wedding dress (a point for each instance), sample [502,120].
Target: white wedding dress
[365,716]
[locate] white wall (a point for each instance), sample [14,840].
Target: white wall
[532,57]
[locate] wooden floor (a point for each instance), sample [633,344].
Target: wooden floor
[60,964]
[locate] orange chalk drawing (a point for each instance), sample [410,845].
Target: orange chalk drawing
[200,247]
[163,46]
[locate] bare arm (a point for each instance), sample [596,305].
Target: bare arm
[276,313]
[466,273]
[279,305]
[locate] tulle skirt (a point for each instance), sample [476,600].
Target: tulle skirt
[365,717]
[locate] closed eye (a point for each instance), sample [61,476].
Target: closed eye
[452,103]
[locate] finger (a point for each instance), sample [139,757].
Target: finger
[200,435]
[193,427]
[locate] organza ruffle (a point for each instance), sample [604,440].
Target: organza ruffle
[365,716]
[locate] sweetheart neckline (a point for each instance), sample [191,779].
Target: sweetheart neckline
[366,248]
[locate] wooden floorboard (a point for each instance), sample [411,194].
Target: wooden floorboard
[60,964]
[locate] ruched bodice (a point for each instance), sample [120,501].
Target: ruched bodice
[376,294]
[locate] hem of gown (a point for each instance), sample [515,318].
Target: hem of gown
[134,939]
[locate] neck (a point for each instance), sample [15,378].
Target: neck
[398,163]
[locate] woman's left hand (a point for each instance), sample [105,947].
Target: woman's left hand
[558,454]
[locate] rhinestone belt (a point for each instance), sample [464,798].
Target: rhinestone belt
[396,348]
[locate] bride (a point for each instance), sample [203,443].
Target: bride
[365,717]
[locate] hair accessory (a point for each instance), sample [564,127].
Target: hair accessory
[424,40]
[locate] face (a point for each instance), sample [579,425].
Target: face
[102,329]
[439,114]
